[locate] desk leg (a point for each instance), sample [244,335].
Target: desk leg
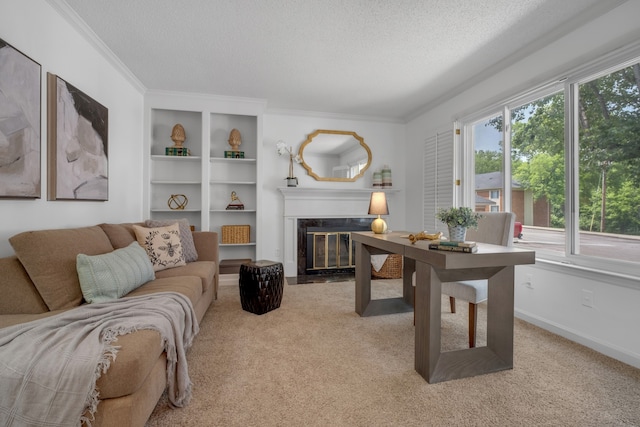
[363,278]
[500,315]
[408,267]
[428,311]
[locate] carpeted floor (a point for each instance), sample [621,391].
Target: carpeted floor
[315,362]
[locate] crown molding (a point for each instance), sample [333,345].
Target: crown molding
[85,31]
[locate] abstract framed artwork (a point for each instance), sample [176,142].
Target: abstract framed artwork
[77,148]
[20,90]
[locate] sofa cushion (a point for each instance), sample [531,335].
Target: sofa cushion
[205,270]
[186,236]
[162,245]
[112,275]
[19,294]
[139,351]
[120,235]
[188,286]
[49,257]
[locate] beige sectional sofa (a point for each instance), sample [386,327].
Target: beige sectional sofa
[41,280]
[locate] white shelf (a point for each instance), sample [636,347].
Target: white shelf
[231,160]
[176,182]
[175,210]
[161,157]
[217,182]
[233,211]
[207,178]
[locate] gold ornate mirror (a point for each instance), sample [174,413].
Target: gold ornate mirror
[335,155]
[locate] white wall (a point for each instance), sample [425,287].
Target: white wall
[385,139]
[39,31]
[554,302]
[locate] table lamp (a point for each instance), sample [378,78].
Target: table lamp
[378,206]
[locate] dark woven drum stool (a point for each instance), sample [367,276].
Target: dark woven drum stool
[261,285]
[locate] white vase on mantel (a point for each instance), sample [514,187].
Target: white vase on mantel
[292,182]
[457,233]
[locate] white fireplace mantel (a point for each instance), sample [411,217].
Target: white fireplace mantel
[301,202]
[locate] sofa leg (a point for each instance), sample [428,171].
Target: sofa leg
[452,304]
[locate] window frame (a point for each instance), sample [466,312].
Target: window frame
[568,84]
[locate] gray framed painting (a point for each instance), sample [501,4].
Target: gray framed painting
[20,89]
[77,135]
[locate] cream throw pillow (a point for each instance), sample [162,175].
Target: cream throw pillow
[162,245]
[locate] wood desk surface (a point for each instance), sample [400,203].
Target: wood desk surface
[398,242]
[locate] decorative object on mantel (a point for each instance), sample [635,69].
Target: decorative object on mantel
[281,148]
[177,202]
[378,206]
[178,136]
[423,235]
[377,179]
[458,220]
[234,142]
[236,204]
[386,176]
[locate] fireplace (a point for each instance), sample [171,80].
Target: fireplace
[324,245]
[325,210]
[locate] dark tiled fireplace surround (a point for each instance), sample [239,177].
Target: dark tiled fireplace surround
[306,274]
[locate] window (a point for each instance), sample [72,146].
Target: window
[573,166]
[608,146]
[530,183]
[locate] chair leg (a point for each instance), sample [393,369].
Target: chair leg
[473,320]
[452,303]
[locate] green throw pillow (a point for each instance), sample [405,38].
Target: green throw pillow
[112,275]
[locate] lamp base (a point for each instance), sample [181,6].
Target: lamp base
[378,226]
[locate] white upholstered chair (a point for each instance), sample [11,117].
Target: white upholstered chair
[494,228]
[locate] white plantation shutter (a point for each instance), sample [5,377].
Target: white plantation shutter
[438,178]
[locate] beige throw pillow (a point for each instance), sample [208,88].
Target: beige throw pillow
[162,245]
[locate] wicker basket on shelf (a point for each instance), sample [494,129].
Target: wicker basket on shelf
[236,233]
[391,269]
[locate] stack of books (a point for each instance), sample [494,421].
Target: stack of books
[446,245]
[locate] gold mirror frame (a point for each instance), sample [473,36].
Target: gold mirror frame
[308,141]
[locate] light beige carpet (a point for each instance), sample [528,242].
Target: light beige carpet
[315,362]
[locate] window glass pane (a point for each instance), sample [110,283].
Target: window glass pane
[609,169]
[487,143]
[538,173]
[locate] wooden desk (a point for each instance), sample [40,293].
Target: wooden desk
[495,263]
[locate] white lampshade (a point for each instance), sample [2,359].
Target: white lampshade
[378,206]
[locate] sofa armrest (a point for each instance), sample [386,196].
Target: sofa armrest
[207,246]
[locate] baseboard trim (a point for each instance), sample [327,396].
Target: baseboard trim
[593,343]
[229,279]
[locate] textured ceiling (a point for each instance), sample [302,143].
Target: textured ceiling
[380,58]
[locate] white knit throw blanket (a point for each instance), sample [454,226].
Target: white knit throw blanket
[49,367]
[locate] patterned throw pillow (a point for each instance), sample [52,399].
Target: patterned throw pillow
[186,237]
[162,245]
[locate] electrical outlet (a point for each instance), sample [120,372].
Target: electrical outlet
[277,252]
[528,281]
[587,298]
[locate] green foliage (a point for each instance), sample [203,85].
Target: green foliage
[488,161]
[608,152]
[462,216]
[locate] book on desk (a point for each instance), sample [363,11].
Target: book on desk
[447,245]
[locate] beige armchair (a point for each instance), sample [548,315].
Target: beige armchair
[495,228]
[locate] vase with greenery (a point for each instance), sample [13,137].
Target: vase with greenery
[458,220]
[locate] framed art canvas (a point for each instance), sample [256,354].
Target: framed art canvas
[20,108]
[77,134]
